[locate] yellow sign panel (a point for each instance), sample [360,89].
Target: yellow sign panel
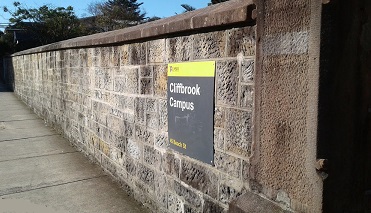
[192,69]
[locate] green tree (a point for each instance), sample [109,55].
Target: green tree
[117,14]
[45,24]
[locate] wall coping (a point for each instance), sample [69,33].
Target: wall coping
[223,14]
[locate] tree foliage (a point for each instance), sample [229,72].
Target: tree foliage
[45,24]
[117,14]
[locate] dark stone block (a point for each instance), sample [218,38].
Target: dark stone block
[187,194]
[200,178]
[171,165]
[212,207]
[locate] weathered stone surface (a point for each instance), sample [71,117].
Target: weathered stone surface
[152,120]
[152,157]
[174,204]
[146,86]
[138,54]
[219,135]
[161,140]
[156,51]
[171,165]
[212,207]
[131,167]
[219,117]
[124,55]
[227,82]
[241,41]
[228,164]
[209,45]
[160,80]
[143,135]
[146,175]
[145,71]
[228,193]
[162,109]
[238,132]
[140,106]
[134,149]
[200,178]
[161,189]
[247,70]
[187,194]
[246,97]
[179,48]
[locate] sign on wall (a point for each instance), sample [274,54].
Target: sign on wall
[190,96]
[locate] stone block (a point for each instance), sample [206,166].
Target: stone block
[134,149]
[209,45]
[125,103]
[161,188]
[245,171]
[160,80]
[227,82]
[145,71]
[152,157]
[238,132]
[228,193]
[219,117]
[190,209]
[171,165]
[174,203]
[124,55]
[146,175]
[132,77]
[200,178]
[228,164]
[211,206]
[187,194]
[105,56]
[143,135]
[120,84]
[246,97]
[114,57]
[156,51]
[219,135]
[138,54]
[115,124]
[121,143]
[128,130]
[162,109]
[241,41]
[140,106]
[152,121]
[151,105]
[108,165]
[247,70]
[179,48]
[146,86]
[131,167]
[161,140]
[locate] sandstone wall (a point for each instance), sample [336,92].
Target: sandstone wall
[107,93]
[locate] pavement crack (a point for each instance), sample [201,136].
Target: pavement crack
[17,190]
[30,157]
[15,139]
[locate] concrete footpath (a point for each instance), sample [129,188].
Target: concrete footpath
[41,172]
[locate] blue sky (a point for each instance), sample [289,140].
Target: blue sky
[161,8]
